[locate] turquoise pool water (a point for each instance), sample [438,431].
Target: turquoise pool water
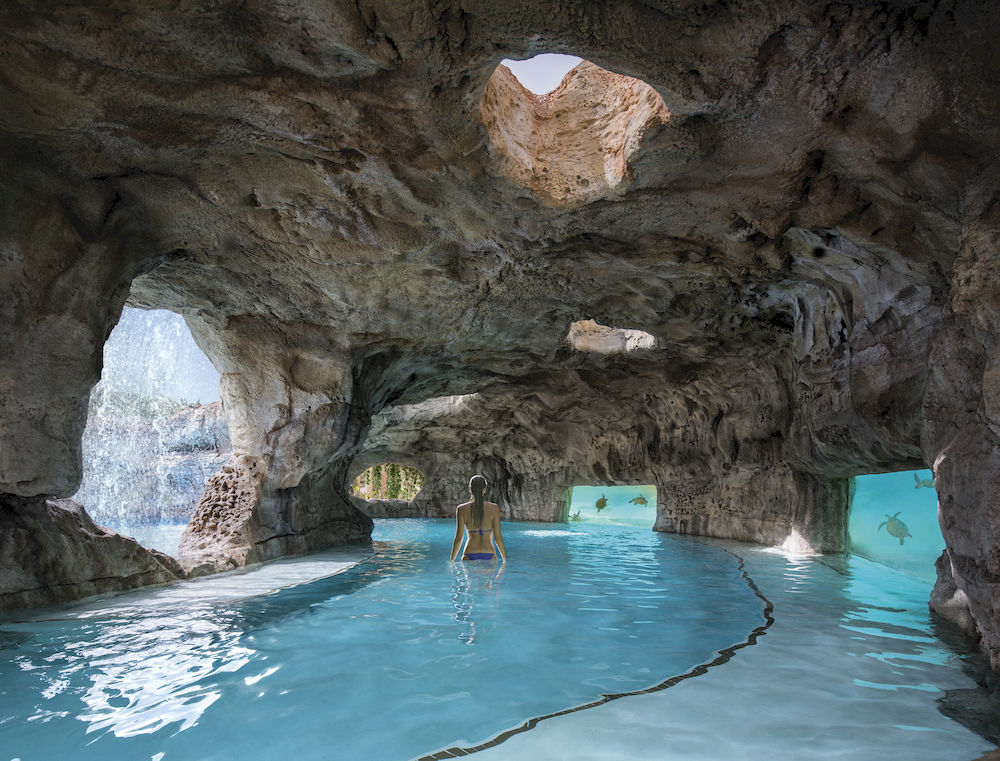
[395,657]
[405,655]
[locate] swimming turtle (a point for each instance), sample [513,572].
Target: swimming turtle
[640,500]
[575,516]
[928,482]
[601,503]
[896,528]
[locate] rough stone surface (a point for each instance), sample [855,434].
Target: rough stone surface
[238,522]
[572,146]
[52,552]
[342,200]
[217,537]
[948,601]
[395,508]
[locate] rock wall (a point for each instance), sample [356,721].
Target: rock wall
[348,204]
[396,508]
[715,481]
[52,552]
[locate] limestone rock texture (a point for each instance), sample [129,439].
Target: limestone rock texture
[573,145]
[51,551]
[348,203]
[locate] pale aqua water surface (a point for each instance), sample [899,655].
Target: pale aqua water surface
[395,657]
[405,654]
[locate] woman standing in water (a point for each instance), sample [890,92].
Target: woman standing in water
[479,520]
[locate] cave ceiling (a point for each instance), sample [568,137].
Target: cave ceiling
[357,188]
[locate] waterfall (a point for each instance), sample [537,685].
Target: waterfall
[155,431]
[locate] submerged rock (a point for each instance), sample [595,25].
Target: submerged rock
[948,601]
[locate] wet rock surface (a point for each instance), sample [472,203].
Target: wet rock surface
[395,508]
[52,552]
[335,199]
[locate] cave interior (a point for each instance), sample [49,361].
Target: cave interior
[741,255]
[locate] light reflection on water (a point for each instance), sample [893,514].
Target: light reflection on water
[405,632]
[451,652]
[137,674]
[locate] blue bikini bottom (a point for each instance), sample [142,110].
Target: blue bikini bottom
[477,556]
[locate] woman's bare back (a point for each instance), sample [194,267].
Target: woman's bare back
[481,536]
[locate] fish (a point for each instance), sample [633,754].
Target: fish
[895,527]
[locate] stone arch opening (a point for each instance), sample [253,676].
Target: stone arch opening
[893,520]
[589,335]
[574,144]
[623,505]
[387,489]
[542,73]
[388,480]
[155,430]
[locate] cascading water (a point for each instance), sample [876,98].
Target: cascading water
[154,432]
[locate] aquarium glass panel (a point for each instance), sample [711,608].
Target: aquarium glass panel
[893,520]
[622,505]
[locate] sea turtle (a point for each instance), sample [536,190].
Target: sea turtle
[575,516]
[895,527]
[640,500]
[601,503]
[928,482]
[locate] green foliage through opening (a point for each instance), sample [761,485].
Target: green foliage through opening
[388,481]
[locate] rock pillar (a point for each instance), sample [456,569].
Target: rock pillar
[62,288]
[282,492]
[961,433]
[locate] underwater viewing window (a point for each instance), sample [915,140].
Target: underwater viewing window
[616,505]
[893,520]
[388,480]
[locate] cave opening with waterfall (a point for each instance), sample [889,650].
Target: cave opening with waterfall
[155,430]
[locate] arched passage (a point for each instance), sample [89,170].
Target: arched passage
[388,480]
[155,430]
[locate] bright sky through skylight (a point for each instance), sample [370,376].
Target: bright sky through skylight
[543,73]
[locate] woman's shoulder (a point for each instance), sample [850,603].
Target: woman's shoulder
[463,506]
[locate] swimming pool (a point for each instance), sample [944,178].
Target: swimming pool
[405,656]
